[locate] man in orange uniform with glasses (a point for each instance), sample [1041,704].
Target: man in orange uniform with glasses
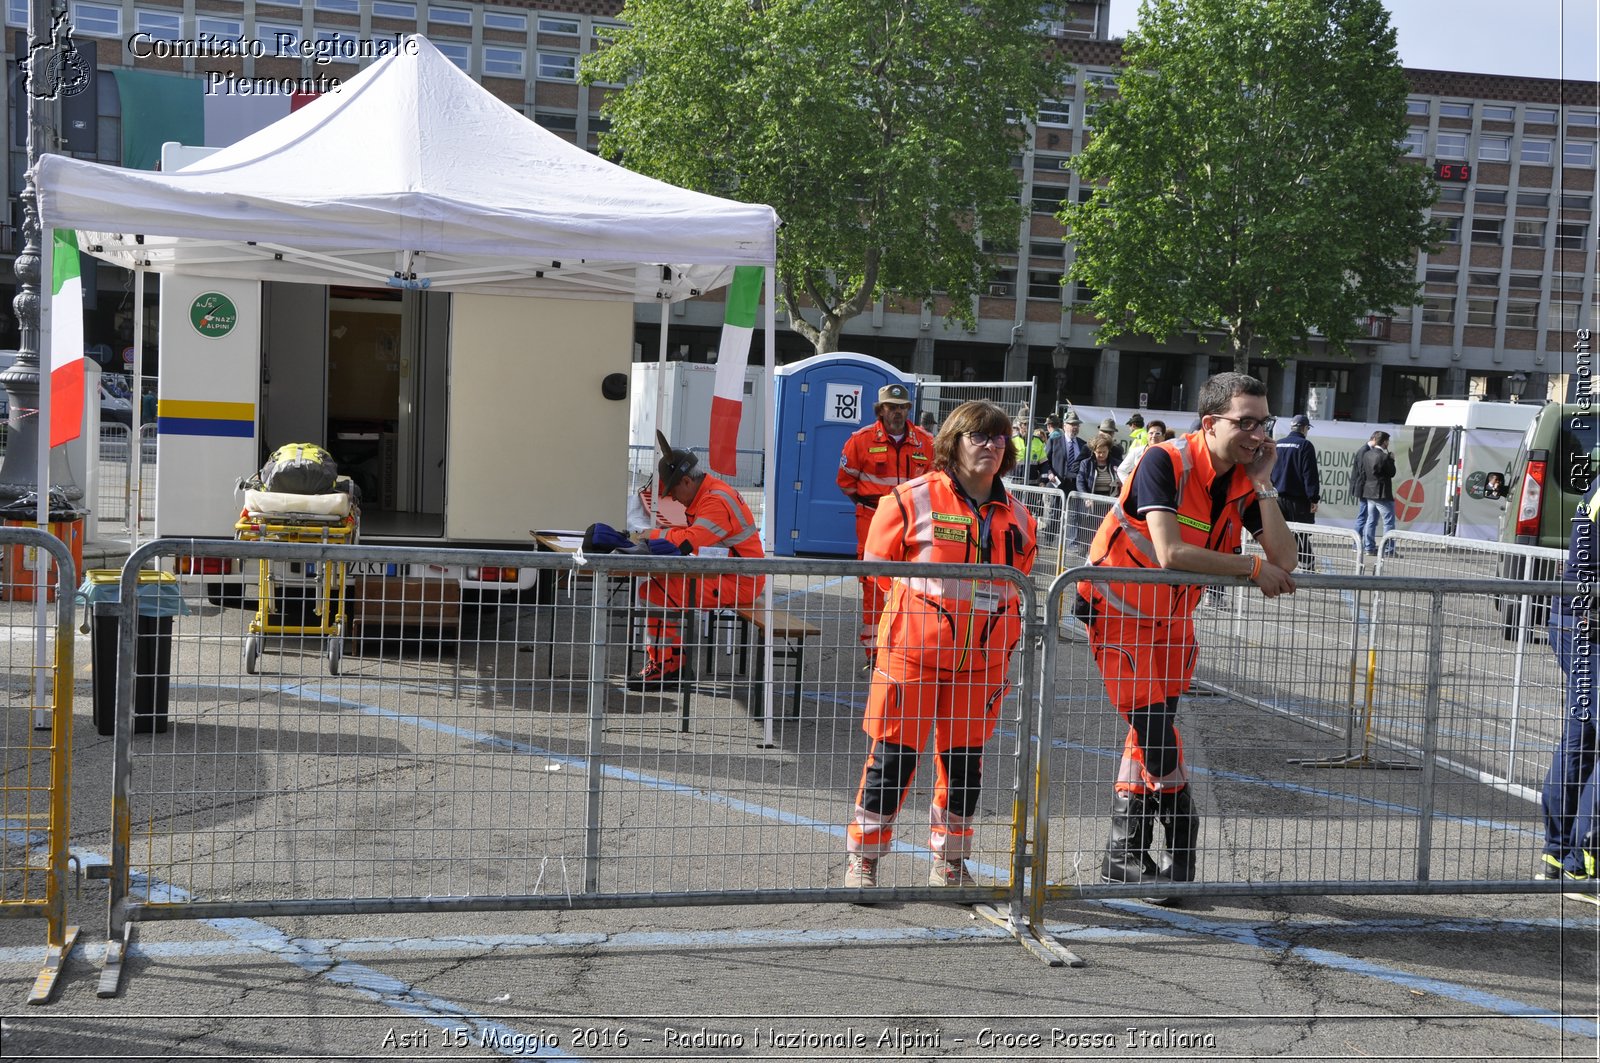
[876,460]
[1185,508]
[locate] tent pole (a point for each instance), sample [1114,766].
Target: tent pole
[769,494]
[136,444]
[42,694]
[661,409]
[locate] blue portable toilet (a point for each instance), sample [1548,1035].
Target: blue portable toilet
[820,402]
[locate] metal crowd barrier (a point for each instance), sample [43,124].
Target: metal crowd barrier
[489,756]
[36,597]
[114,494]
[1390,784]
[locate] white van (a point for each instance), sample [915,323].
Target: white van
[1473,413]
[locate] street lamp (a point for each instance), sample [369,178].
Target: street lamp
[1516,384]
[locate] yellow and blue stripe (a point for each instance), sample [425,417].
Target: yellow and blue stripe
[187,417]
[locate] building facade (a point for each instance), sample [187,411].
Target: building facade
[1502,299]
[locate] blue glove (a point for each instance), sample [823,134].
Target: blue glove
[666,546]
[604,539]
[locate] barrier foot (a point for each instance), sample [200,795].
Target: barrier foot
[44,986]
[1044,947]
[111,973]
[1359,760]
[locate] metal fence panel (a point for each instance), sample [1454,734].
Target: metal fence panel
[490,756]
[36,739]
[1309,778]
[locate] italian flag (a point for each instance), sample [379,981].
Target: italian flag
[66,339]
[733,354]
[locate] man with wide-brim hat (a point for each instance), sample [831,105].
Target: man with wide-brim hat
[877,458]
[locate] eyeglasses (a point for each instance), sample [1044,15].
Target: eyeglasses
[985,439]
[1249,425]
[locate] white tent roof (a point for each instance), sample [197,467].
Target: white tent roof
[411,174]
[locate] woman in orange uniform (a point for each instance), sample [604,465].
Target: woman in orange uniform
[944,645]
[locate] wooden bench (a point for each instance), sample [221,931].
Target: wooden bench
[788,633]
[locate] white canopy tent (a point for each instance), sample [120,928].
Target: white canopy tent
[411,174]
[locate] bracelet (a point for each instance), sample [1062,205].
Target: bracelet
[1255,567]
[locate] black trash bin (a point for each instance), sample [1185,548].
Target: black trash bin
[159,601]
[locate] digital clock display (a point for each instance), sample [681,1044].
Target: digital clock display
[1452,171]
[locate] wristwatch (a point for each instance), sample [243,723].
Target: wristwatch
[1270,493]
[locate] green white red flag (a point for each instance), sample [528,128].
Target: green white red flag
[733,354]
[66,339]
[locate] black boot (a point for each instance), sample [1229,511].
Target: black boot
[1181,825]
[1127,856]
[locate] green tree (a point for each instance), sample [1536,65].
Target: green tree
[882,131]
[1252,177]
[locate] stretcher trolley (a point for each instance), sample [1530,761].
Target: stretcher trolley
[274,516]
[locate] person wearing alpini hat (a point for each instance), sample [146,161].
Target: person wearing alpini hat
[876,459]
[719,520]
[1185,508]
[944,646]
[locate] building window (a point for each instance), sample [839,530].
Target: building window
[1044,284]
[1455,110]
[1055,112]
[457,52]
[1040,250]
[565,27]
[1571,315]
[1521,313]
[1496,113]
[449,16]
[158,25]
[1567,284]
[394,9]
[1416,108]
[1524,280]
[347,7]
[1043,163]
[17,13]
[1003,284]
[1450,229]
[558,66]
[1527,234]
[1572,202]
[1539,116]
[1489,197]
[1486,230]
[1494,149]
[1082,293]
[1533,199]
[503,62]
[98,20]
[1481,279]
[1441,275]
[1416,141]
[1048,199]
[278,37]
[1450,146]
[1452,193]
[1536,152]
[557,123]
[1589,118]
[1438,309]
[1578,153]
[228,28]
[1570,236]
[505,20]
[1481,311]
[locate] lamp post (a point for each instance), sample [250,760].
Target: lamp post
[1516,384]
[25,433]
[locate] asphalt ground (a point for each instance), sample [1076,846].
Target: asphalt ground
[1248,977]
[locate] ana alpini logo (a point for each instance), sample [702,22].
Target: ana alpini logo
[55,67]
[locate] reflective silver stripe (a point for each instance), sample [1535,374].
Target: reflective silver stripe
[716,529]
[848,471]
[961,590]
[740,540]
[882,481]
[1129,772]
[920,531]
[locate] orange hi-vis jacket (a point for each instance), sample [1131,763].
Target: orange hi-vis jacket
[718,517]
[951,625]
[1123,540]
[872,464]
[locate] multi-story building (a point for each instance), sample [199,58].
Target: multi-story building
[1502,299]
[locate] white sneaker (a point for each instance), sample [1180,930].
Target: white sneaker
[950,873]
[861,872]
